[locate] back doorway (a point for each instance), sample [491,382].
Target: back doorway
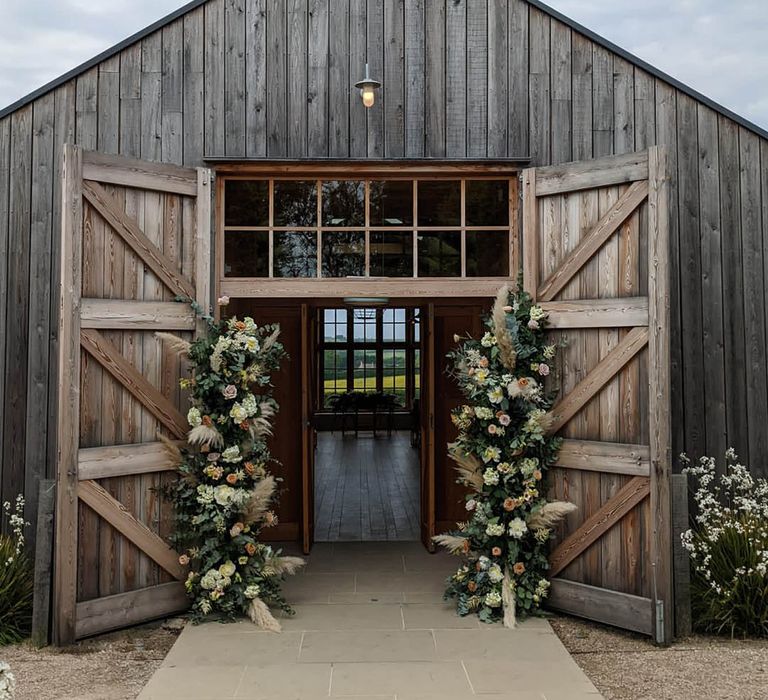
[368,423]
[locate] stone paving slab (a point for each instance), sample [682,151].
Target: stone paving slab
[370,623]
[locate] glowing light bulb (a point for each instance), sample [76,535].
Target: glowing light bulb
[368,95]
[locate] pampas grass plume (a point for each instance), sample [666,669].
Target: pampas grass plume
[205,435]
[259,615]
[453,543]
[260,500]
[172,450]
[550,514]
[176,345]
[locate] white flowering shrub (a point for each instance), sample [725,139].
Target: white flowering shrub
[7,682]
[16,577]
[728,546]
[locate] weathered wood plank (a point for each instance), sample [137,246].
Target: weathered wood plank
[456,79]
[394,70]
[358,55]
[86,99]
[5,183]
[41,602]
[588,387]
[562,87]
[754,296]
[477,77]
[137,532]
[124,460]
[141,174]
[111,359]
[415,78]
[202,242]
[129,230]
[193,82]
[600,172]
[296,136]
[256,78]
[530,233]
[612,457]
[125,609]
[599,523]
[136,315]
[339,79]
[374,29]
[235,78]
[690,268]
[39,294]
[659,383]
[597,313]
[602,101]
[108,106]
[609,607]
[581,81]
[151,98]
[130,101]
[623,106]
[594,239]
[17,304]
[711,284]
[317,78]
[517,98]
[172,119]
[539,96]
[435,79]
[214,84]
[682,558]
[68,392]
[733,281]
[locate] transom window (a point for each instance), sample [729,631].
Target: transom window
[370,350]
[333,228]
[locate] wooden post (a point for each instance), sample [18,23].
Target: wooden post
[660,427]
[41,604]
[68,433]
[682,562]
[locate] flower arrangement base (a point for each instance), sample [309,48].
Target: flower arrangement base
[502,454]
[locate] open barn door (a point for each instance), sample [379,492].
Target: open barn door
[595,257]
[135,235]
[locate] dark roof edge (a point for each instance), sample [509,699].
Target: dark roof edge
[159,24]
[103,56]
[648,68]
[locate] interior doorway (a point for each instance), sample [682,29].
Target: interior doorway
[368,423]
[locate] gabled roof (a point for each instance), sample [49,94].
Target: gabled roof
[640,63]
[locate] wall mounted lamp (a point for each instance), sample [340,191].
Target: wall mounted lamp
[368,86]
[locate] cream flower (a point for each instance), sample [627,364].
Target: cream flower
[517,528]
[488,340]
[493,599]
[491,454]
[490,477]
[232,454]
[496,395]
[227,569]
[238,413]
[193,417]
[229,391]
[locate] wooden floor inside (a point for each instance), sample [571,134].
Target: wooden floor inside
[366,488]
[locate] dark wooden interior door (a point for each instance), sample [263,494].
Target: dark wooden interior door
[427,485]
[308,392]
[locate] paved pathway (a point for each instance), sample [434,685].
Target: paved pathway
[370,623]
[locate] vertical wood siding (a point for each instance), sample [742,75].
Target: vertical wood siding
[479,78]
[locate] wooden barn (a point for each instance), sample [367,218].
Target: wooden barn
[225,150]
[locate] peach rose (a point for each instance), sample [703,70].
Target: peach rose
[496,551]
[250,548]
[509,504]
[471,586]
[207,421]
[537,475]
[183,560]
[519,568]
[232,479]
[249,468]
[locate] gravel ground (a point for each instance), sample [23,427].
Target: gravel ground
[113,666]
[626,666]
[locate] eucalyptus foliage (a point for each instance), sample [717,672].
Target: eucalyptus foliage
[503,452]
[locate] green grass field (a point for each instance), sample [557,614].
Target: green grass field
[390,383]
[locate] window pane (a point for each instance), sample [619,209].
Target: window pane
[391,203]
[343,203]
[440,254]
[416,326]
[487,203]
[246,203]
[295,203]
[246,254]
[416,373]
[343,254]
[295,254]
[391,254]
[487,254]
[439,203]
[365,325]
[335,325]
